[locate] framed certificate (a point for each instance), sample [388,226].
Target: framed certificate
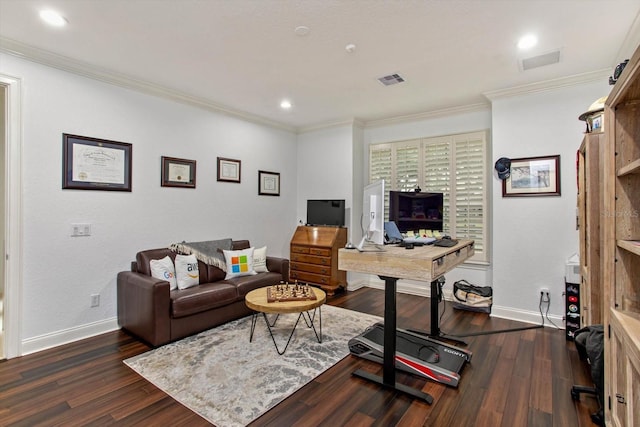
[268,183]
[228,170]
[95,164]
[178,172]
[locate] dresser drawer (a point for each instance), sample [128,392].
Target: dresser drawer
[311,268]
[309,277]
[320,252]
[310,259]
[299,249]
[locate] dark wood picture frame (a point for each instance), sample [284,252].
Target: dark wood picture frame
[95,164]
[229,170]
[268,183]
[533,176]
[178,172]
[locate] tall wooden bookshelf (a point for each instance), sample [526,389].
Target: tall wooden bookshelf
[590,207]
[621,257]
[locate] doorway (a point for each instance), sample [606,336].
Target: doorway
[10,216]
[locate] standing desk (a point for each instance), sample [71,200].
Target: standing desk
[424,264]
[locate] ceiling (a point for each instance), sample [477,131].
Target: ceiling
[243,57]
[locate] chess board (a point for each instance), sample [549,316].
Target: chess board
[290,292]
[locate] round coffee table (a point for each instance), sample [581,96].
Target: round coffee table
[257,301]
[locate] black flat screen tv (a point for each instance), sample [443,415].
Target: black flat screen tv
[325,212]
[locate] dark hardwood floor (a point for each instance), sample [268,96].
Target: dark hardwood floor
[514,379]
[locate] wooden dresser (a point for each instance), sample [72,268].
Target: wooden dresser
[314,257]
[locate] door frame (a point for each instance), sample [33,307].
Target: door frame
[13,216]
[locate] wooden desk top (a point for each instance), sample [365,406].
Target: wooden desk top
[257,300]
[423,263]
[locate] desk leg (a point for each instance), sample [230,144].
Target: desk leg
[388,379]
[436,296]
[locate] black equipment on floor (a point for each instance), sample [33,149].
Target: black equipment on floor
[416,354]
[590,345]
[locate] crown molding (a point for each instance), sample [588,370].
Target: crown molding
[348,122]
[548,85]
[61,62]
[429,115]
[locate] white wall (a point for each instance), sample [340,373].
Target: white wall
[61,272]
[533,236]
[325,158]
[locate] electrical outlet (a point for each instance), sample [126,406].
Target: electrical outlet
[80,230]
[545,297]
[544,292]
[95,300]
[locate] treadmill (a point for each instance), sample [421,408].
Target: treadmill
[415,353]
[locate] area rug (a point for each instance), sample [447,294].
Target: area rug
[230,381]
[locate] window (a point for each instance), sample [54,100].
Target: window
[455,165]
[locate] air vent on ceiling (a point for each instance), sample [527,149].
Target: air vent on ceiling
[541,60]
[391,79]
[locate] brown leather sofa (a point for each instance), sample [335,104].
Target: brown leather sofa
[148,310]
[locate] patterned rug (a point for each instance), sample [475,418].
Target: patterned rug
[229,381]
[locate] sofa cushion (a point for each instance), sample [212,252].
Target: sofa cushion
[164,269]
[201,298]
[187,272]
[143,259]
[239,263]
[260,260]
[246,284]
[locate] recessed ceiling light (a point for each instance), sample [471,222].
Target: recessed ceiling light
[527,42]
[53,18]
[285,104]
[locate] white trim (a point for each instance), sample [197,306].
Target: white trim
[66,336]
[13,216]
[547,85]
[84,69]
[429,115]
[525,316]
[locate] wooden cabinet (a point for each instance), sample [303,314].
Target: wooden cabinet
[590,207]
[314,257]
[416,211]
[621,256]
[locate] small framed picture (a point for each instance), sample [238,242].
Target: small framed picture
[95,164]
[533,176]
[268,183]
[228,170]
[178,172]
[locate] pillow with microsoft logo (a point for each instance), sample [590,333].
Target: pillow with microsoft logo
[239,263]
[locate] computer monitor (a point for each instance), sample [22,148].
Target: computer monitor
[372,217]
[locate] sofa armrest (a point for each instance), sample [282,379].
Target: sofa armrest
[279,265]
[144,307]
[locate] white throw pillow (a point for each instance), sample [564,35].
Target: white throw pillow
[260,260]
[239,263]
[187,272]
[163,269]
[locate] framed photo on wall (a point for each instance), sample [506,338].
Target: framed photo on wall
[178,172]
[95,164]
[268,183]
[228,170]
[533,176]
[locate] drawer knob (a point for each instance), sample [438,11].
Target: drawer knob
[620,398]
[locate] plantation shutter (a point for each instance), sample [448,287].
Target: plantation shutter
[437,173]
[407,158]
[455,165]
[381,167]
[470,188]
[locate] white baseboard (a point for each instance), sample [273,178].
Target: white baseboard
[66,336]
[422,290]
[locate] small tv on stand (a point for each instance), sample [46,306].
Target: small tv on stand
[326,212]
[372,217]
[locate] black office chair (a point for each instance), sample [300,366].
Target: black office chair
[590,345]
